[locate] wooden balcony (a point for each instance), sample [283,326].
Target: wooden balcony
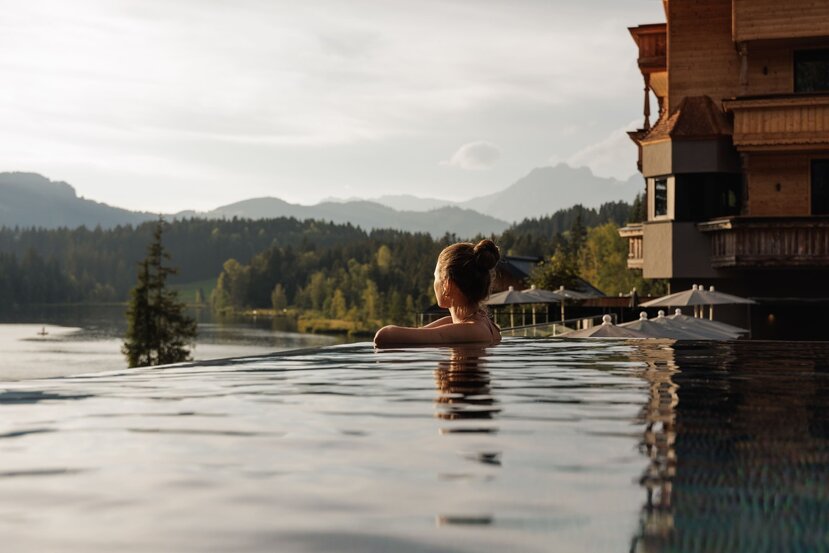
[652,41]
[780,122]
[634,234]
[741,242]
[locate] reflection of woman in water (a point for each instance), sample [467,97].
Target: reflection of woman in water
[464,385]
[463,277]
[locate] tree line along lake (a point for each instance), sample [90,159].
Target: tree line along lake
[62,291]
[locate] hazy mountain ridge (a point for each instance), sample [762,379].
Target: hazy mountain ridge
[545,190]
[31,200]
[542,191]
[412,203]
[365,214]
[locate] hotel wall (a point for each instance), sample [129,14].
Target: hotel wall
[771,65]
[702,59]
[791,172]
[770,69]
[676,250]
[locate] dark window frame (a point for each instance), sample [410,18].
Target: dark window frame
[805,83]
[819,204]
[660,201]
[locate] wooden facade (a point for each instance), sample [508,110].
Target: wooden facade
[774,122]
[773,19]
[779,186]
[739,154]
[702,58]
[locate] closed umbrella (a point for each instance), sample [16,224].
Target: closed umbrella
[606,330]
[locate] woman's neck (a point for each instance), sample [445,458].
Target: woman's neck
[463,314]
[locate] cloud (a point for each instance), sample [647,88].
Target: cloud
[475,156]
[612,156]
[310,94]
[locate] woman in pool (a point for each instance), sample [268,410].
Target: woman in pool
[463,277]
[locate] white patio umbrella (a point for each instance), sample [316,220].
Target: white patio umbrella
[658,329]
[692,328]
[697,296]
[510,296]
[706,324]
[541,296]
[606,330]
[567,294]
[564,294]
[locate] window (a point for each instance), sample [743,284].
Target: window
[704,196]
[820,187]
[660,197]
[811,71]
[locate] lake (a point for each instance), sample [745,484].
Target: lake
[60,340]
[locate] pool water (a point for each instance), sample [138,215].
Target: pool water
[531,445]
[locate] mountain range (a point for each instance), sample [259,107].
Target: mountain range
[363,213]
[29,199]
[543,191]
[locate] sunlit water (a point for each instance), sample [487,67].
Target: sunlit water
[50,341]
[531,445]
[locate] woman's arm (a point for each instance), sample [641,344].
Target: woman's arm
[452,333]
[440,322]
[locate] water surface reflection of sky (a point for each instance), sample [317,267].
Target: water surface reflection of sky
[49,341]
[532,445]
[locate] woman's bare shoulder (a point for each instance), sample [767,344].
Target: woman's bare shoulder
[451,333]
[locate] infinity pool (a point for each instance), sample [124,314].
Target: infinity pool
[528,446]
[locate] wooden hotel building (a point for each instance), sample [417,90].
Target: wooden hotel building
[736,162]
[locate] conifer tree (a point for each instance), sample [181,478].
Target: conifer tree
[158,329]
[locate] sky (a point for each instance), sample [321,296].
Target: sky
[192,104]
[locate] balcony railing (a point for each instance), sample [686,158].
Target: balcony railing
[634,234]
[768,242]
[770,122]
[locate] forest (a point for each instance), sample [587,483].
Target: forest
[322,270]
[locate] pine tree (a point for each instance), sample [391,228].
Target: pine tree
[638,212]
[577,234]
[158,329]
